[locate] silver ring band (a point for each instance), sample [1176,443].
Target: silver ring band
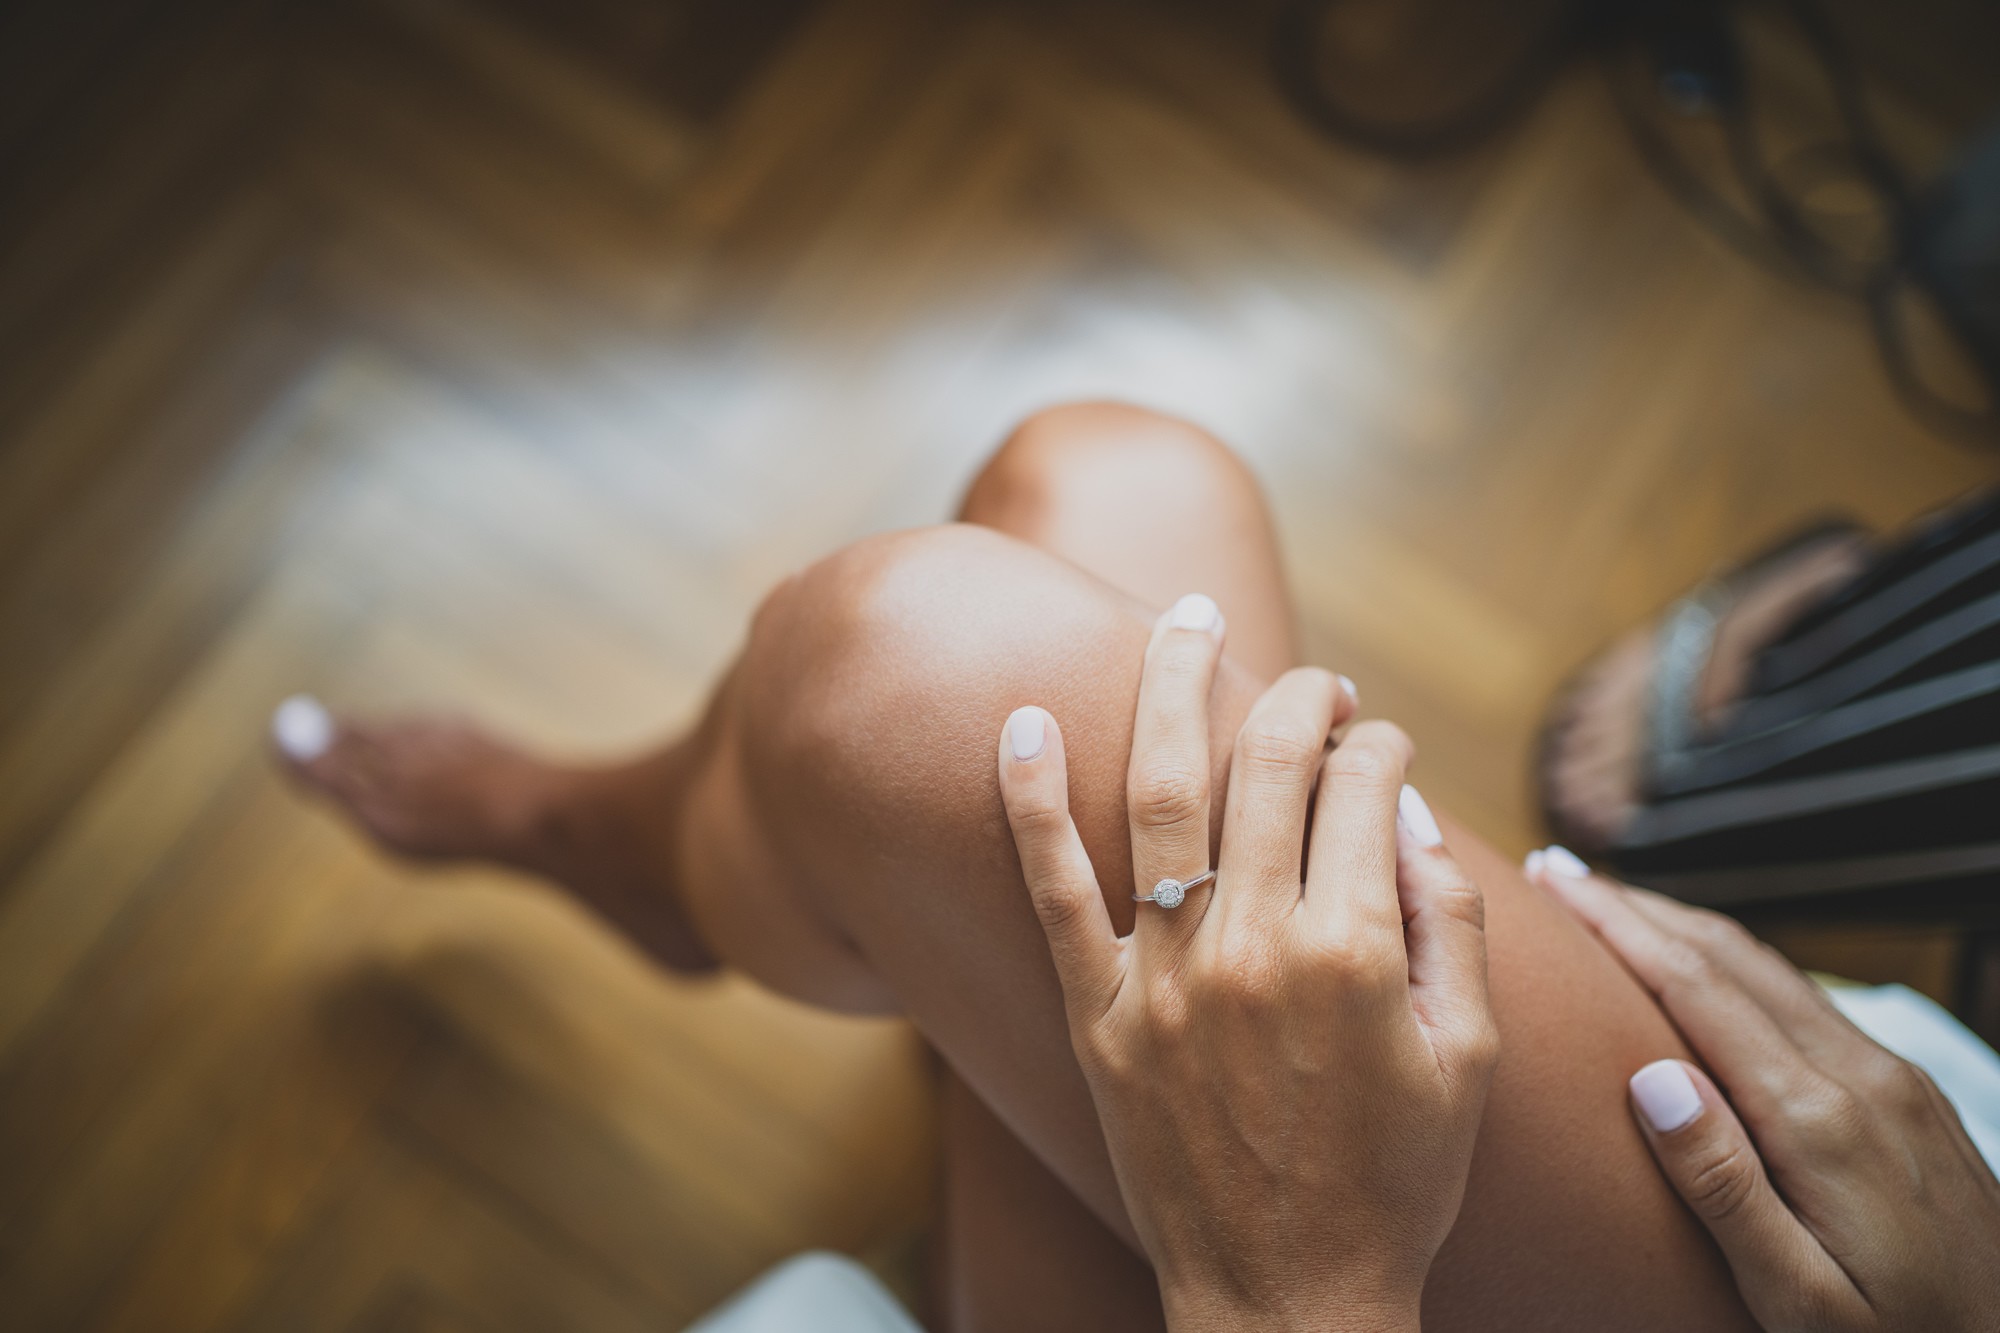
[1171,893]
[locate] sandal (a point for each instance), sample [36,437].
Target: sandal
[1683,640]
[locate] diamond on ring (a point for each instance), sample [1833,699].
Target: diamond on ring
[1171,893]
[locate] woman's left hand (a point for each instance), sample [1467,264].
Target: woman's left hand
[1290,1075]
[1837,1179]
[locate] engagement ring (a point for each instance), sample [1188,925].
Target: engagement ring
[1171,893]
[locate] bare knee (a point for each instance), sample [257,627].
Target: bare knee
[876,683]
[1088,448]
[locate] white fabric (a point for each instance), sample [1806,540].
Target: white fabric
[1965,1068]
[814,1292]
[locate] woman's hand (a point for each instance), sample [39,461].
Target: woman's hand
[1836,1178]
[1289,1068]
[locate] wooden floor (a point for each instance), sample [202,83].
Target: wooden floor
[496,356]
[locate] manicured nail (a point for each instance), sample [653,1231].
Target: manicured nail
[1195,611]
[1027,732]
[1560,860]
[1531,865]
[1666,1096]
[1353,695]
[1413,814]
[302,728]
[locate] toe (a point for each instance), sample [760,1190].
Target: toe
[337,758]
[303,729]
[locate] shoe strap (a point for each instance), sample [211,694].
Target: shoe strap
[1685,640]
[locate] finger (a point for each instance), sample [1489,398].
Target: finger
[1763,1068]
[1278,754]
[1780,989]
[1034,787]
[1444,932]
[1167,785]
[1351,896]
[1706,1154]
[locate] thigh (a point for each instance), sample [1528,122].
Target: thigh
[865,719]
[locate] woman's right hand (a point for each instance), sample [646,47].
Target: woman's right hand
[1290,1064]
[1836,1178]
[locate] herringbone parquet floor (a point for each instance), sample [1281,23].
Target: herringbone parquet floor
[477,354]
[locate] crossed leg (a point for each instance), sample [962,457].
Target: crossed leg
[834,829]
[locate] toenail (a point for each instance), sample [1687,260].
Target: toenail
[302,728]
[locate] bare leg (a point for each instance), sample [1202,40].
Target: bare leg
[918,645]
[842,839]
[1019,1250]
[1155,508]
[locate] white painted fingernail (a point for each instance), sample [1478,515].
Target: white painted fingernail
[302,727]
[1531,865]
[1666,1096]
[1027,732]
[1416,816]
[1353,695]
[1195,611]
[1560,860]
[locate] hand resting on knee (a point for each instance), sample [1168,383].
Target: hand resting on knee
[1290,1064]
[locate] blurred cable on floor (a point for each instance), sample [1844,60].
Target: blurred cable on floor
[1422,78]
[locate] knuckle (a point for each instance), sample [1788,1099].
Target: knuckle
[1365,763]
[1462,900]
[1898,1084]
[1354,962]
[1036,817]
[1718,932]
[1685,970]
[1384,737]
[1828,1119]
[1287,745]
[1243,974]
[1060,908]
[1712,929]
[1483,1051]
[1166,794]
[1722,1180]
[1476,1057]
[1181,660]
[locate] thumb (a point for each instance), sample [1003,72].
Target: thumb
[1706,1153]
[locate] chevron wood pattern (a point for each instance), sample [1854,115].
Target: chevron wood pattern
[492,355]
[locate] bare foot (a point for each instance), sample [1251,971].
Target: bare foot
[1594,762]
[439,789]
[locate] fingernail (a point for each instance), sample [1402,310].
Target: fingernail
[1027,732]
[1413,814]
[1560,860]
[1666,1096]
[302,727]
[1353,695]
[1531,865]
[1195,611]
